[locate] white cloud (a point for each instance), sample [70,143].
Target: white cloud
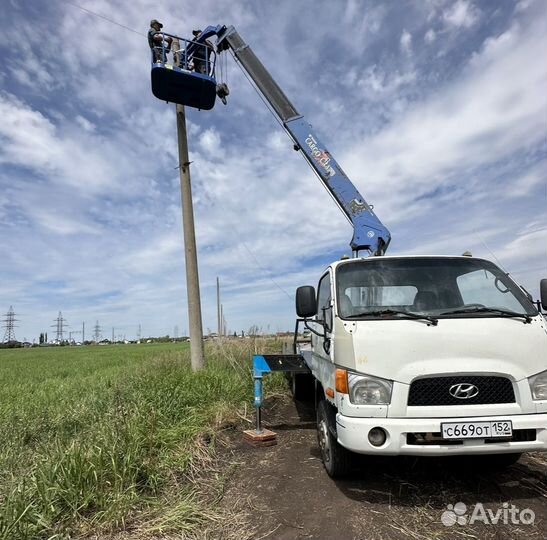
[485,116]
[406,42]
[61,224]
[156,255]
[210,143]
[430,36]
[32,141]
[527,246]
[379,84]
[85,123]
[523,185]
[523,5]
[461,14]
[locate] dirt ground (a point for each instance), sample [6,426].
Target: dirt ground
[284,492]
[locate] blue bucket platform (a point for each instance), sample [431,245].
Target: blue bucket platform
[175,85]
[187,76]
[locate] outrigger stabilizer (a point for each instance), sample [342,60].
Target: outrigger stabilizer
[262,365]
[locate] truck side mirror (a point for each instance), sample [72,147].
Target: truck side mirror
[543,293]
[306,303]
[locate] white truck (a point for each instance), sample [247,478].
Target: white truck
[409,355]
[425,356]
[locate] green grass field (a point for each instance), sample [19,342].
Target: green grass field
[94,439]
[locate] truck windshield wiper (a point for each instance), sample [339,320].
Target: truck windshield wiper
[407,314]
[484,309]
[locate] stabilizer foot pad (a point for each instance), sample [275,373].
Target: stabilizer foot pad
[264,438]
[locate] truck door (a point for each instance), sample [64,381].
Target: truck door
[321,345]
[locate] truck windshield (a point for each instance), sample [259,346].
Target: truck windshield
[441,287]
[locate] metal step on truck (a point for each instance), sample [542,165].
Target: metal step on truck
[410,355]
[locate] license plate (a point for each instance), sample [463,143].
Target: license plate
[477,430]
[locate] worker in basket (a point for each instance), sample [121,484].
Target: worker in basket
[202,55]
[159,43]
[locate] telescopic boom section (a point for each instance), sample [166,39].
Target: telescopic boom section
[368,231]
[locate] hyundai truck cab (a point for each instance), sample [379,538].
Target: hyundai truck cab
[425,356]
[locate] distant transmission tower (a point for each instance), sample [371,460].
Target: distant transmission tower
[176,332]
[96,332]
[9,324]
[139,332]
[60,327]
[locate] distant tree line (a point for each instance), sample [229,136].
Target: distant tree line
[11,345]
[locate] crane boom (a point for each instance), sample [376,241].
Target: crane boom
[369,233]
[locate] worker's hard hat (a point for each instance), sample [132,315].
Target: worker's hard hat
[155,21]
[196,33]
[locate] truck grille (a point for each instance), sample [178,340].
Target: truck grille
[436,391]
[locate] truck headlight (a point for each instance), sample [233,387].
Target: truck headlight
[538,386]
[367,390]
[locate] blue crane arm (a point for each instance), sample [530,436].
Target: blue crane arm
[369,233]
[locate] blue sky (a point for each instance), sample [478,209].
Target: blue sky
[436,110]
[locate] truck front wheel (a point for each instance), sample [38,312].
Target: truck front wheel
[336,459]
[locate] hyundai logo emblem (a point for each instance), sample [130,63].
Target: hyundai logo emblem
[463,391]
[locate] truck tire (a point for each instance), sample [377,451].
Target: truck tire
[302,386]
[336,459]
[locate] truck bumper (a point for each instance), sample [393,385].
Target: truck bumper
[421,436]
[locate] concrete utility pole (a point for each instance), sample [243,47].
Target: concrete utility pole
[219,324]
[190,250]
[221,320]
